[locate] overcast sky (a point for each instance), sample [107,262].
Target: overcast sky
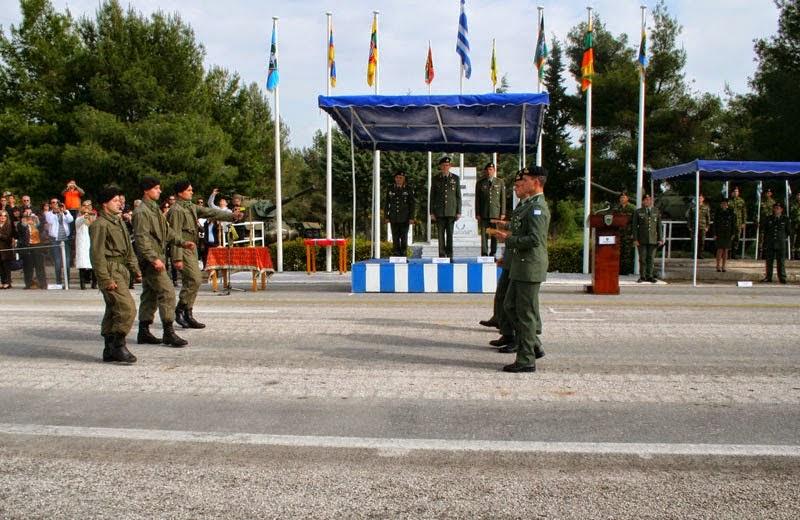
[718,36]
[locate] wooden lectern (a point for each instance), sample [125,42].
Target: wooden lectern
[605,271]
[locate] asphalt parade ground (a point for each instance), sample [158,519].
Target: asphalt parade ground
[309,401]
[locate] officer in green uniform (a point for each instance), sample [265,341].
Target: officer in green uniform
[703,223]
[152,235]
[527,243]
[399,213]
[114,263]
[794,222]
[739,207]
[775,230]
[445,205]
[182,218]
[490,204]
[647,236]
[625,207]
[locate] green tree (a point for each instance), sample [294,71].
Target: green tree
[774,108]
[555,130]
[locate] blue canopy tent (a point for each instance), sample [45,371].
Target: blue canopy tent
[725,171]
[503,123]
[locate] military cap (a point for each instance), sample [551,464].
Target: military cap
[778,205]
[445,159]
[148,183]
[400,172]
[181,186]
[107,194]
[490,165]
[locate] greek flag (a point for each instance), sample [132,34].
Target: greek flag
[462,46]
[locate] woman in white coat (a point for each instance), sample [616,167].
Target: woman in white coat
[83,247]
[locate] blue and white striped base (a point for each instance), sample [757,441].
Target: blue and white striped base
[418,276]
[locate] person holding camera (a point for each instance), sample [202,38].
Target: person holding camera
[59,227]
[82,246]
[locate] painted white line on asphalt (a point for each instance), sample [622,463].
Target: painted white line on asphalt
[570,311]
[315,441]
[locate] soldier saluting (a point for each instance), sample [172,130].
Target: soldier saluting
[182,218]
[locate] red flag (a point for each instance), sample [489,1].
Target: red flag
[429,67]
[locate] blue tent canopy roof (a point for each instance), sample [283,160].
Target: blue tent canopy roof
[729,170]
[446,123]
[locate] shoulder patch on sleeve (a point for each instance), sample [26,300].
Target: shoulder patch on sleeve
[537,212]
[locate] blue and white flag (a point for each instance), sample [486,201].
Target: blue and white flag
[272,77]
[462,46]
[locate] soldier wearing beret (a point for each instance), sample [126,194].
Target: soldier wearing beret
[647,236]
[445,205]
[399,212]
[527,243]
[490,204]
[182,218]
[152,235]
[775,230]
[114,265]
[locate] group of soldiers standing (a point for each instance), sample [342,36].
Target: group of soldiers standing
[116,259]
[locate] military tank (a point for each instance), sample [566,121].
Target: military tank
[264,211]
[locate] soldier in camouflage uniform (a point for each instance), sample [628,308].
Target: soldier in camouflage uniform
[739,207]
[114,266]
[445,206]
[152,236]
[703,223]
[625,207]
[182,218]
[794,221]
[767,203]
[399,213]
[490,203]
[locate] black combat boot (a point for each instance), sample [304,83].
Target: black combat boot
[538,352]
[171,339]
[145,337]
[180,316]
[120,352]
[190,321]
[107,340]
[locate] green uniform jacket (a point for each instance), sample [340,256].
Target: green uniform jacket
[767,203]
[794,213]
[527,242]
[152,233]
[739,208]
[647,229]
[705,217]
[446,195]
[399,203]
[627,209]
[490,198]
[775,230]
[110,243]
[182,218]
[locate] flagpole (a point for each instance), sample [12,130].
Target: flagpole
[430,170]
[278,194]
[494,90]
[640,149]
[587,189]
[538,91]
[329,152]
[376,167]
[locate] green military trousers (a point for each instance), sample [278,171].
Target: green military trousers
[190,278]
[522,309]
[120,305]
[647,257]
[157,293]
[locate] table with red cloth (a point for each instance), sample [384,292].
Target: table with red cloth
[257,260]
[311,252]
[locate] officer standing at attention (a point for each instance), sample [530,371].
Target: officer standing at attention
[114,265]
[152,236]
[182,218]
[625,207]
[445,206]
[703,224]
[775,230]
[647,236]
[490,203]
[527,241]
[399,212]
